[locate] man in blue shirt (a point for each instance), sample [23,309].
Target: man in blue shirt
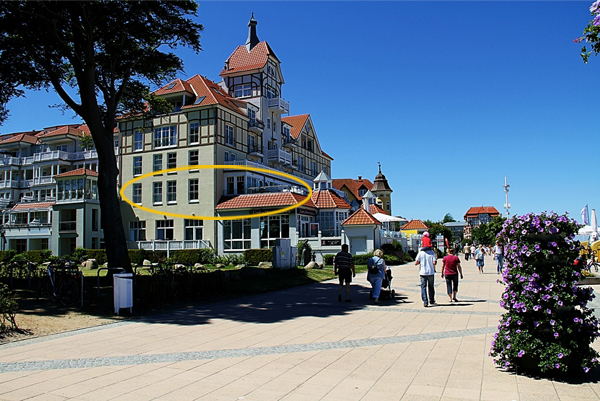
[343,266]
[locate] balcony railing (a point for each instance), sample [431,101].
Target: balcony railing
[50,156]
[256,125]
[9,184]
[43,180]
[279,156]
[67,226]
[9,161]
[168,245]
[278,105]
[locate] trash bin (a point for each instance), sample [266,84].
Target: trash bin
[123,291]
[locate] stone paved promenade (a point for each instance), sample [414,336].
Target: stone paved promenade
[298,344]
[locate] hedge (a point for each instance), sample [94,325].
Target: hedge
[254,256]
[38,256]
[193,256]
[328,259]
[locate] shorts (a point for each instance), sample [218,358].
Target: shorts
[479,262]
[345,275]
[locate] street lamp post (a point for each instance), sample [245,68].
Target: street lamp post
[506,205]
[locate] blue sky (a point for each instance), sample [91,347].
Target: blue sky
[450,97]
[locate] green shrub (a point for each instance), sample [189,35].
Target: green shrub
[328,259]
[392,249]
[38,256]
[206,256]
[231,259]
[362,259]
[82,254]
[254,256]
[8,308]
[186,256]
[392,260]
[6,256]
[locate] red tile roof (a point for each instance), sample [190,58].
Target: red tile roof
[297,123]
[352,185]
[21,138]
[264,200]
[414,225]
[78,172]
[33,206]
[242,60]
[328,200]
[198,87]
[178,86]
[326,155]
[360,218]
[477,210]
[376,209]
[75,130]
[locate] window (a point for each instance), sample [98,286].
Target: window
[273,227]
[116,141]
[230,188]
[193,158]
[157,164]
[157,193]
[138,140]
[240,185]
[171,191]
[137,231]
[194,133]
[313,168]
[270,70]
[193,190]
[252,115]
[171,160]
[164,230]
[137,165]
[62,148]
[271,93]
[165,137]
[242,90]
[326,223]
[268,123]
[301,163]
[362,192]
[137,193]
[229,135]
[236,234]
[94,219]
[252,144]
[226,157]
[232,157]
[193,230]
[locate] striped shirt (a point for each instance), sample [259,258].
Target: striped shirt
[343,260]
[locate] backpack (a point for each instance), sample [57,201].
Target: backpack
[372,266]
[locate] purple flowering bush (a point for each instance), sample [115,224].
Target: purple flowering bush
[547,326]
[591,34]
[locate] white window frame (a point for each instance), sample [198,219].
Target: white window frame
[166,228]
[165,137]
[137,165]
[171,192]
[157,198]
[171,164]
[194,190]
[157,160]
[195,228]
[229,135]
[243,90]
[194,134]
[138,140]
[137,230]
[191,162]
[136,193]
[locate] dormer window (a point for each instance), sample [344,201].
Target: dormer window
[270,70]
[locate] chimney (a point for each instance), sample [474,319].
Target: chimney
[360,177]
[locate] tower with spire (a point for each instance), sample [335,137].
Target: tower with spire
[381,189]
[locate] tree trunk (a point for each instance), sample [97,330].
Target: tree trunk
[110,205]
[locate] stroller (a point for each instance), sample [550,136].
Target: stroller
[387,292]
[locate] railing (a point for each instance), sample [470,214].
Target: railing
[278,104]
[279,156]
[27,160]
[9,184]
[10,161]
[75,195]
[67,226]
[25,183]
[253,149]
[169,245]
[43,180]
[289,141]
[255,124]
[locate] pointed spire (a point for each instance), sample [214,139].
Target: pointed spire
[252,37]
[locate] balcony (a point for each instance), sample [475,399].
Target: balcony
[256,126]
[278,105]
[75,195]
[279,156]
[9,184]
[67,227]
[288,142]
[10,161]
[23,184]
[44,180]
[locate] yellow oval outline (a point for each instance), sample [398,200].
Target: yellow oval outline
[215,167]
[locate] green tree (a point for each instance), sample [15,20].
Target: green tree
[591,34]
[99,57]
[448,219]
[87,142]
[486,233]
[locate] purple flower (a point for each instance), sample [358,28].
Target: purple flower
[596,21]
[576,320]
[560,355]
[524,232]
[537,247]
[560,303]
[557,366]
[548,311]
[508,346]
[555,335]
[552,322]
[521,353]
[536,324]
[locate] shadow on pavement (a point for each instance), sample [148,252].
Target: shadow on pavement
[316,300]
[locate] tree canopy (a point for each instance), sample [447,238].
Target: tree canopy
[486,233]
[591,34]
[100,57]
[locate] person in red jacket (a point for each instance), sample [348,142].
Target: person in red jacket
[425,241]
[450,270]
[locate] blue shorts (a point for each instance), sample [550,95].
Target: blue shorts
[479,262]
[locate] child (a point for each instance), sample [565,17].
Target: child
[425,242]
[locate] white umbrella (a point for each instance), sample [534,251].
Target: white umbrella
[585,230]
[385,217]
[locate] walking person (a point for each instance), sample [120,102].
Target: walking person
[427,260]
[343,267]
[467,252]
[479,258]
[376,273]
[450,270]
[498,255]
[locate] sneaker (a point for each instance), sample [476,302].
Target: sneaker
[339,298]
[455,300]
[432,303]
[425,305]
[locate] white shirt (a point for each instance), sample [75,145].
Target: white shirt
[427,261]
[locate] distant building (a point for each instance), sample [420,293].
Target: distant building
[457,228]
[414,227]
[478,215]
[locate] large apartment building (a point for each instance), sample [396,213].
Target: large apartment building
[240,122]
